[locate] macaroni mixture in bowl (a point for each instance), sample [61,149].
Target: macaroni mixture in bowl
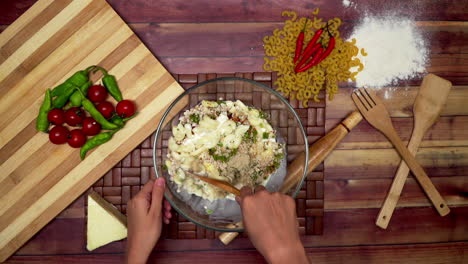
[224,140]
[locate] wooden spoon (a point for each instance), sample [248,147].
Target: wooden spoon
[218,183]
[429,102]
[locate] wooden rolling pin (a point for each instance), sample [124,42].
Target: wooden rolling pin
[317,153]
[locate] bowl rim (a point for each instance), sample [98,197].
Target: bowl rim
[169,108]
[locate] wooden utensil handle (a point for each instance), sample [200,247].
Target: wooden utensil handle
[220,184]
[421,176]
[317,153]
[386,212]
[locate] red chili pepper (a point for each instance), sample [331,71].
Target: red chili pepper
[299,44]
[307,55]
[314,39]
[331,45]
[312,62]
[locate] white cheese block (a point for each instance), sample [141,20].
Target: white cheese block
[105,223]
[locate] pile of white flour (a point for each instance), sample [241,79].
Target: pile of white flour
[396,50]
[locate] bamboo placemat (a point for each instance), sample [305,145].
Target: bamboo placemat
[125,180]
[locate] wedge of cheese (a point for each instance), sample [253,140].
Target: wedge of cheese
[105,223]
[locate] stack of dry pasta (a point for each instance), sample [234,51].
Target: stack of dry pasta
[304,86]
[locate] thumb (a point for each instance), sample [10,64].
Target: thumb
[157,195]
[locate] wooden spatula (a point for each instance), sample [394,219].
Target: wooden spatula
[218,183]
[376,114]
[430,100]
[317,153]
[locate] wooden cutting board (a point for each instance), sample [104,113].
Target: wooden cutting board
[46,45]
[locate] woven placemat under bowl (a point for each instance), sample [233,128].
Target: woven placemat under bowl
[123,181]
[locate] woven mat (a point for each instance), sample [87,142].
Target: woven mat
[123,181]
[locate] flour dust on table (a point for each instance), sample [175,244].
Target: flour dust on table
[396,50]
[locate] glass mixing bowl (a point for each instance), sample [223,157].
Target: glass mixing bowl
[221,215]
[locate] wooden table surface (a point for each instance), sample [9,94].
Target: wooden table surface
[203,36]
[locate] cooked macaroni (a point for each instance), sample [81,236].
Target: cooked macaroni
[224,140]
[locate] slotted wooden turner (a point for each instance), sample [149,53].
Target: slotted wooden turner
[376,114]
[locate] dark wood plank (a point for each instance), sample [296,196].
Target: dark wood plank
[241,11]
[264,10]
[11,10]
[399,101]
[452,67]
[245,39]
[408,225]
[370,193]
[454,253]
[347,227]
[447,131]
[382,163]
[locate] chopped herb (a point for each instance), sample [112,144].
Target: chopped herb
[266,135]
[279,156]
[233,152]
[254,176]
[220,144]
[246,136]
[237,174]
[194,118]
[209,211]
[220,102]
[212,151]
[263,115]
[271,169]
[222,158]
[276,164]
[250,135]
[164,167]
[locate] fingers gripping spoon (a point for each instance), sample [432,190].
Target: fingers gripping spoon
[429,102]
[374,111]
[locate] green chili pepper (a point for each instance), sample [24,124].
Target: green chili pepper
[121,121]
[130,117]
[60,89]
[75,99]
[111,85]
[117,120]
[89,106]
[62,99]
[95,141]
[42,124]
[77,79]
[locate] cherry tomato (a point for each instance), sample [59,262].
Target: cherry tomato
[74,116]
[58,135]
[106,109]
[125,108]
[56,116]
[90,127]
[76,138]
[97,93]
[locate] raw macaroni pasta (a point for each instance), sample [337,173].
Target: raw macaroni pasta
[305,86]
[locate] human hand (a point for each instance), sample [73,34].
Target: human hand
[271,223]
[144,220]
